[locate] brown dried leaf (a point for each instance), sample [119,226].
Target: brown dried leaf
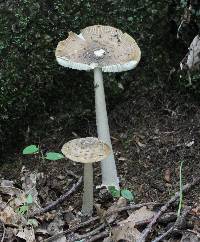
[9,216]
[190,237]
[121,158]
[122,202]
[138,142]
[126,232]
[139,215]
[29,187]
[196,211]
[100,212]
[27,234]
[167,175]
[7,187]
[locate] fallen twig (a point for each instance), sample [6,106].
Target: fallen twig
[91,233]
[4,231]
[106,233]
[179,224]
[194,232]
[132,206]
[148,229]
[93,219]
[60,200]
[73,229]
[98,236]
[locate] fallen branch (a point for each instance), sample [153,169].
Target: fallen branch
[179,224]
[4,231]
[98,236]
[132,206]
[60,200]
[148,229]
[73,229]
[93,219]
[106,233]
[91,233]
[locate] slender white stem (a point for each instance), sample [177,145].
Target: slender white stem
[87,206]
[108,167]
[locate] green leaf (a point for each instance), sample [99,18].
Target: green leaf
[22,209]
[53,156]
[32,222]
[130,19]
[114,192]
[31,149]
[29,199]
[127,194]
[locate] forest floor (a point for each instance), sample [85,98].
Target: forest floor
[152,132]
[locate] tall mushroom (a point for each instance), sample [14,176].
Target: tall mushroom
[86,150]
[102,49]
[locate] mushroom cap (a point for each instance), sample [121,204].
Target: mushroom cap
[86,150]
[99,46]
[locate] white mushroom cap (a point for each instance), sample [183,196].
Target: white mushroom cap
[99,46]
[86,150]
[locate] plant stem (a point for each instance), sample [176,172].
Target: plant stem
[181,189]
[108,167]
[87,207]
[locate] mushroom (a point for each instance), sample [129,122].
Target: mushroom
[87,151]
[102,49]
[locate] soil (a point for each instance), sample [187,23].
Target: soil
[152,132]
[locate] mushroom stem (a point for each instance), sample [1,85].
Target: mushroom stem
[87,206]
[108,167]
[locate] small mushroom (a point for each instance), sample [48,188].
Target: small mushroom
[100,48]
[87,151]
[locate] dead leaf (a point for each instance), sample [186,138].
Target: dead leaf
[137,141]
[122,202]
[56,225]
[122,158]
[61,239]
[196,211]
[108,239]
[9,216]
[27,234]
[10,234]
[7,187]
[100,212]
[190,237]
[167,175]
[29,181]
[189,144]
[139,215]
[126,232]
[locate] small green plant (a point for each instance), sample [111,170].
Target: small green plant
[180,189]
[33,149]
[23,209]
[121,193]
[33,222]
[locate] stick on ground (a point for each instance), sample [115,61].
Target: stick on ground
[93,219]
[177,225]
[4,231]
[148,229]
[60,200]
